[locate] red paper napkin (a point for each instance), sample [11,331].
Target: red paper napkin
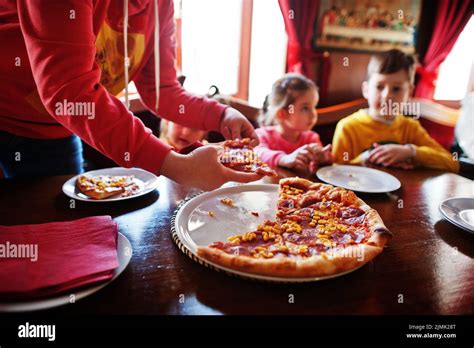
[46,259]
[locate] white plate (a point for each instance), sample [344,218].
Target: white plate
[194,226]
[124,254]
[459,211]
[146,180]
[360,179]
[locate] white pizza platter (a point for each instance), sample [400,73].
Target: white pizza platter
[204,219]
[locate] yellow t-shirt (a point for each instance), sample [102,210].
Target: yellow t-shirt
[357,133]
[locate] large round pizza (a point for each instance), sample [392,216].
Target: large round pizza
[319,230]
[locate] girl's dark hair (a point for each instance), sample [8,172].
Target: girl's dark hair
[284,93]
[390,62]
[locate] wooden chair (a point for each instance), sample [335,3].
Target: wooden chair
[329,116]
[332,114]
[439,120]
[249,111]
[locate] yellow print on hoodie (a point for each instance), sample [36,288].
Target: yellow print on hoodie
[110,56]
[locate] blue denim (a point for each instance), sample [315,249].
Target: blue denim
[26,157]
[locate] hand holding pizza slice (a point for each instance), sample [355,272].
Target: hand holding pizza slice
[239,155]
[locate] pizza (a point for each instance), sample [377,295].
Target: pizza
[239,155]
[319,230]
[105,186]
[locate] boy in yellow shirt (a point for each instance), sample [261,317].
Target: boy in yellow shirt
[380,135]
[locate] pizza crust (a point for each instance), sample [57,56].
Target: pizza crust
[299,183]
[380,235]
[321,265]
[337,194]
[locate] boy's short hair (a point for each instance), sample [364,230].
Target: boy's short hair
[390,62]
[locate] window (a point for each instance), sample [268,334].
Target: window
[237,45]
[268,52]
[211,44]
[454,72]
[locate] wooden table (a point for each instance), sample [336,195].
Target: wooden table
[428,267]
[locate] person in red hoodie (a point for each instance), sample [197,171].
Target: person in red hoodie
[62,64]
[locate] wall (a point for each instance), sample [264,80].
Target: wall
[345,81]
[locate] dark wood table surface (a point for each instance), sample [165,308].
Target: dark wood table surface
[428,268]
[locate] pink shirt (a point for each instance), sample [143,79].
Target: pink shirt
[273,146]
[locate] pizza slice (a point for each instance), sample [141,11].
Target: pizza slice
[319,230]
[239,155]
[105,186]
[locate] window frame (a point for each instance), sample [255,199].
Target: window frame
[243,75]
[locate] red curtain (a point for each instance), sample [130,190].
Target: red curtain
[451,18]
[299,17]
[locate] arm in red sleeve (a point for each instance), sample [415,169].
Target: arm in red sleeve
[175,104]
[61,51]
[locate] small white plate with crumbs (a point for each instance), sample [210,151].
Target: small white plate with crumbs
[360,179]
[141,183]
[214,216]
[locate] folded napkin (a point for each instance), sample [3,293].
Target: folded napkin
[46,259]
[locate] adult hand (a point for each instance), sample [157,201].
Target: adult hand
[234,125]
[201,168]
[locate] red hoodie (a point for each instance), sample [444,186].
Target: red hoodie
[71,51]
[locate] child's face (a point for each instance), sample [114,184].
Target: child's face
[180,137]
[301,115]
[382,88]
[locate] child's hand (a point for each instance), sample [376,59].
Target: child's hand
[323,155]
[201,168]
[298,159]
[404,165]
[320,156]
[390,155]
[234,125]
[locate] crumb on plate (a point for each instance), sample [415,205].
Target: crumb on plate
[227,201]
